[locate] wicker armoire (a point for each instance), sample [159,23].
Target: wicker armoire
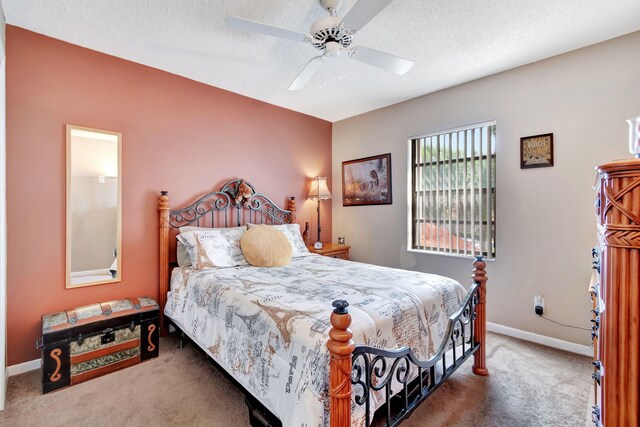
[617,296]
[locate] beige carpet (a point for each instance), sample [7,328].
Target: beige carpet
[530,385]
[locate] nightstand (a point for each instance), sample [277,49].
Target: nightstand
[332,250]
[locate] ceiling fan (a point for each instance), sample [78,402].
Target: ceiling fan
[333,36]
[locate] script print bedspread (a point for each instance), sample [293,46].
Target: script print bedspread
[269,327]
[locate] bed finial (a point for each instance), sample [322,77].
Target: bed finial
[292,208]
[340,306]
[480,323]
[164,212]
[341,348]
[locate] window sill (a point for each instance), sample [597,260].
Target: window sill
[423,252]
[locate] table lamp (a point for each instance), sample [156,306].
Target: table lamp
[319,191]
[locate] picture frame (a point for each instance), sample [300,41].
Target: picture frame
[367,181]
[536,151]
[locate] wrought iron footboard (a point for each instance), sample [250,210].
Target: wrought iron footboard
[360,371]
[376,370]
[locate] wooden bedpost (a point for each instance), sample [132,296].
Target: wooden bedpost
[163,210]
[340,348]
[292,208]
[480,322]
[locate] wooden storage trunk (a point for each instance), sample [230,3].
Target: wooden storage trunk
[93,340]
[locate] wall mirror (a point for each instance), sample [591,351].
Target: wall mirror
[94,207]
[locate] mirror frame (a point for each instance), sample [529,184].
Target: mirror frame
[68,284]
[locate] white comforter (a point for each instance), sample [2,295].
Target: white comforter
[269,327]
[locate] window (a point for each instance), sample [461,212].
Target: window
[453,189]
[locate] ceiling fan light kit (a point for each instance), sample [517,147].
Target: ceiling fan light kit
[332,35]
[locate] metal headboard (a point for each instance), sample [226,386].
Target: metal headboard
[225,208]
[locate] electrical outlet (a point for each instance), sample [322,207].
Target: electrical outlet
[538,305]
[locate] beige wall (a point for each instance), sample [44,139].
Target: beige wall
[546,223]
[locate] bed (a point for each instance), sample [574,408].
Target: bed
[321,341]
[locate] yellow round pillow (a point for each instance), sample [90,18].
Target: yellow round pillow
[265,246]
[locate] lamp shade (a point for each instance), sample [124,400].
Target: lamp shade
[319,190]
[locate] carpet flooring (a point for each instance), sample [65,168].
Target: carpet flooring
[529,385]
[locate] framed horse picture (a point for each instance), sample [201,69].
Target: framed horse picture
[367,181]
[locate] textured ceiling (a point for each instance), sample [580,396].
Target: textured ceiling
[451,42]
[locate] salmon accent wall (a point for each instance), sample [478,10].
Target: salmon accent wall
[178,135]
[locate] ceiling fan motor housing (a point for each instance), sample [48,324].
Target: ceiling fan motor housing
[329,29]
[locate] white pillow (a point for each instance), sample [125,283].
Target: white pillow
[292,231]
[183,258]
[214,248]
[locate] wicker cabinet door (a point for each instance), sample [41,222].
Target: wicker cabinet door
[619,339]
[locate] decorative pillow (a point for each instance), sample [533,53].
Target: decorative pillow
[265,246]
[183,258]
[292,232]
[214,248]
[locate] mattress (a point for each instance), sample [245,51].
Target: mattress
[268,327]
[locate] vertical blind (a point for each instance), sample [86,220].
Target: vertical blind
[454,191]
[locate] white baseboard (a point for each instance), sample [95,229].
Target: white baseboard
[3,389]
[572,347]
[21,368]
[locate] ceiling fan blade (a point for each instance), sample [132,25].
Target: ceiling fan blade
[386,61]
[363,12]
[307,73]
[269,30]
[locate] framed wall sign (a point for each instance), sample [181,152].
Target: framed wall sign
[536,151]
[367,181]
